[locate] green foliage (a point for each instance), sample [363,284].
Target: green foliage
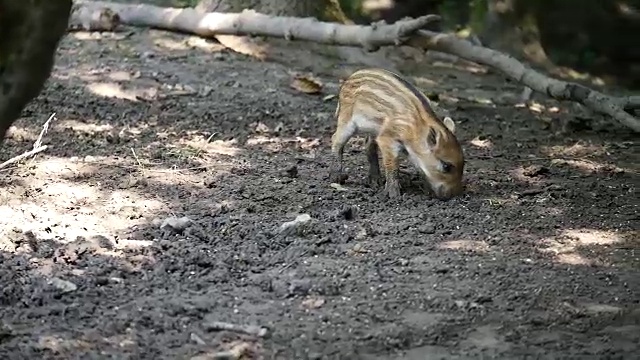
[477,14]
[455,13]
[351,8]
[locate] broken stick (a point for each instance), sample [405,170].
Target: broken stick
[409,32]
[250,22]
[560,90]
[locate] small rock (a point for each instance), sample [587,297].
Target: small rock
[63,285]
[176,224]
[291,226]
[427,229]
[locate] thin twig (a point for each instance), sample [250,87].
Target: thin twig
[23,156]
[44,130]
[137,159]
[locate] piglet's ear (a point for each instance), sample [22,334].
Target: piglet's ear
[450,124]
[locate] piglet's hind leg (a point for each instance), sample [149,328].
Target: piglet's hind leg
[343,133]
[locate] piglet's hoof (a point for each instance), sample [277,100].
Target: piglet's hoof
[375,181]
[391,193]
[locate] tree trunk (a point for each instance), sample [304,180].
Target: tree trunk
[30,31]
[511,26]
[325,10]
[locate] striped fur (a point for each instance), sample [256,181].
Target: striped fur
[398,121]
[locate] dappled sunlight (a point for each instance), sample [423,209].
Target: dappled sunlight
[569,246]
[465,245]
[528,174]
[424,82]
[84,127]
[540,109]
[464,66]
[580,156]
[368,6]
[275,144]
[56,206]
[109,83]
[115,90]
[590,166]
[482,143]
[203,146]
[84,343]
[578,149]
[20,134]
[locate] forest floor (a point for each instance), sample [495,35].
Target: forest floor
[539,258]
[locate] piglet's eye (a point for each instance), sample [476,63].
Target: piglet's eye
[445,166]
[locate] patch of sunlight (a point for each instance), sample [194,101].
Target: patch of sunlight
[20,134]
[578,149]
[568,243]
[424,82]
[203,145]
[82,72]
[58,345]
[368,6]
[114,90]
[469,245]
[474,69]
[83,127]
[58,207]
[538,108]
[495,201]
[204,44]
[591,166]
[592,237]
[481,143]
[523,174]
[572,259]
[278,143]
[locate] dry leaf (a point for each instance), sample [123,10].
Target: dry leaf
[306,84]
[328,97]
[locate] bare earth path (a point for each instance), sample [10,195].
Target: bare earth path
[504,272]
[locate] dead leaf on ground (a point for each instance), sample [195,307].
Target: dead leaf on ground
[306,84]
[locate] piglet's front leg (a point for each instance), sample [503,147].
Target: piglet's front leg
[390,163]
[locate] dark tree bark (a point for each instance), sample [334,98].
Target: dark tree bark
[511,26]
[30,31]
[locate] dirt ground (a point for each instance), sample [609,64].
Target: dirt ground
[539,258]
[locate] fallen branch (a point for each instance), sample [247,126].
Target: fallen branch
[407,32]
[92,18]
[249,22]
[560,90]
